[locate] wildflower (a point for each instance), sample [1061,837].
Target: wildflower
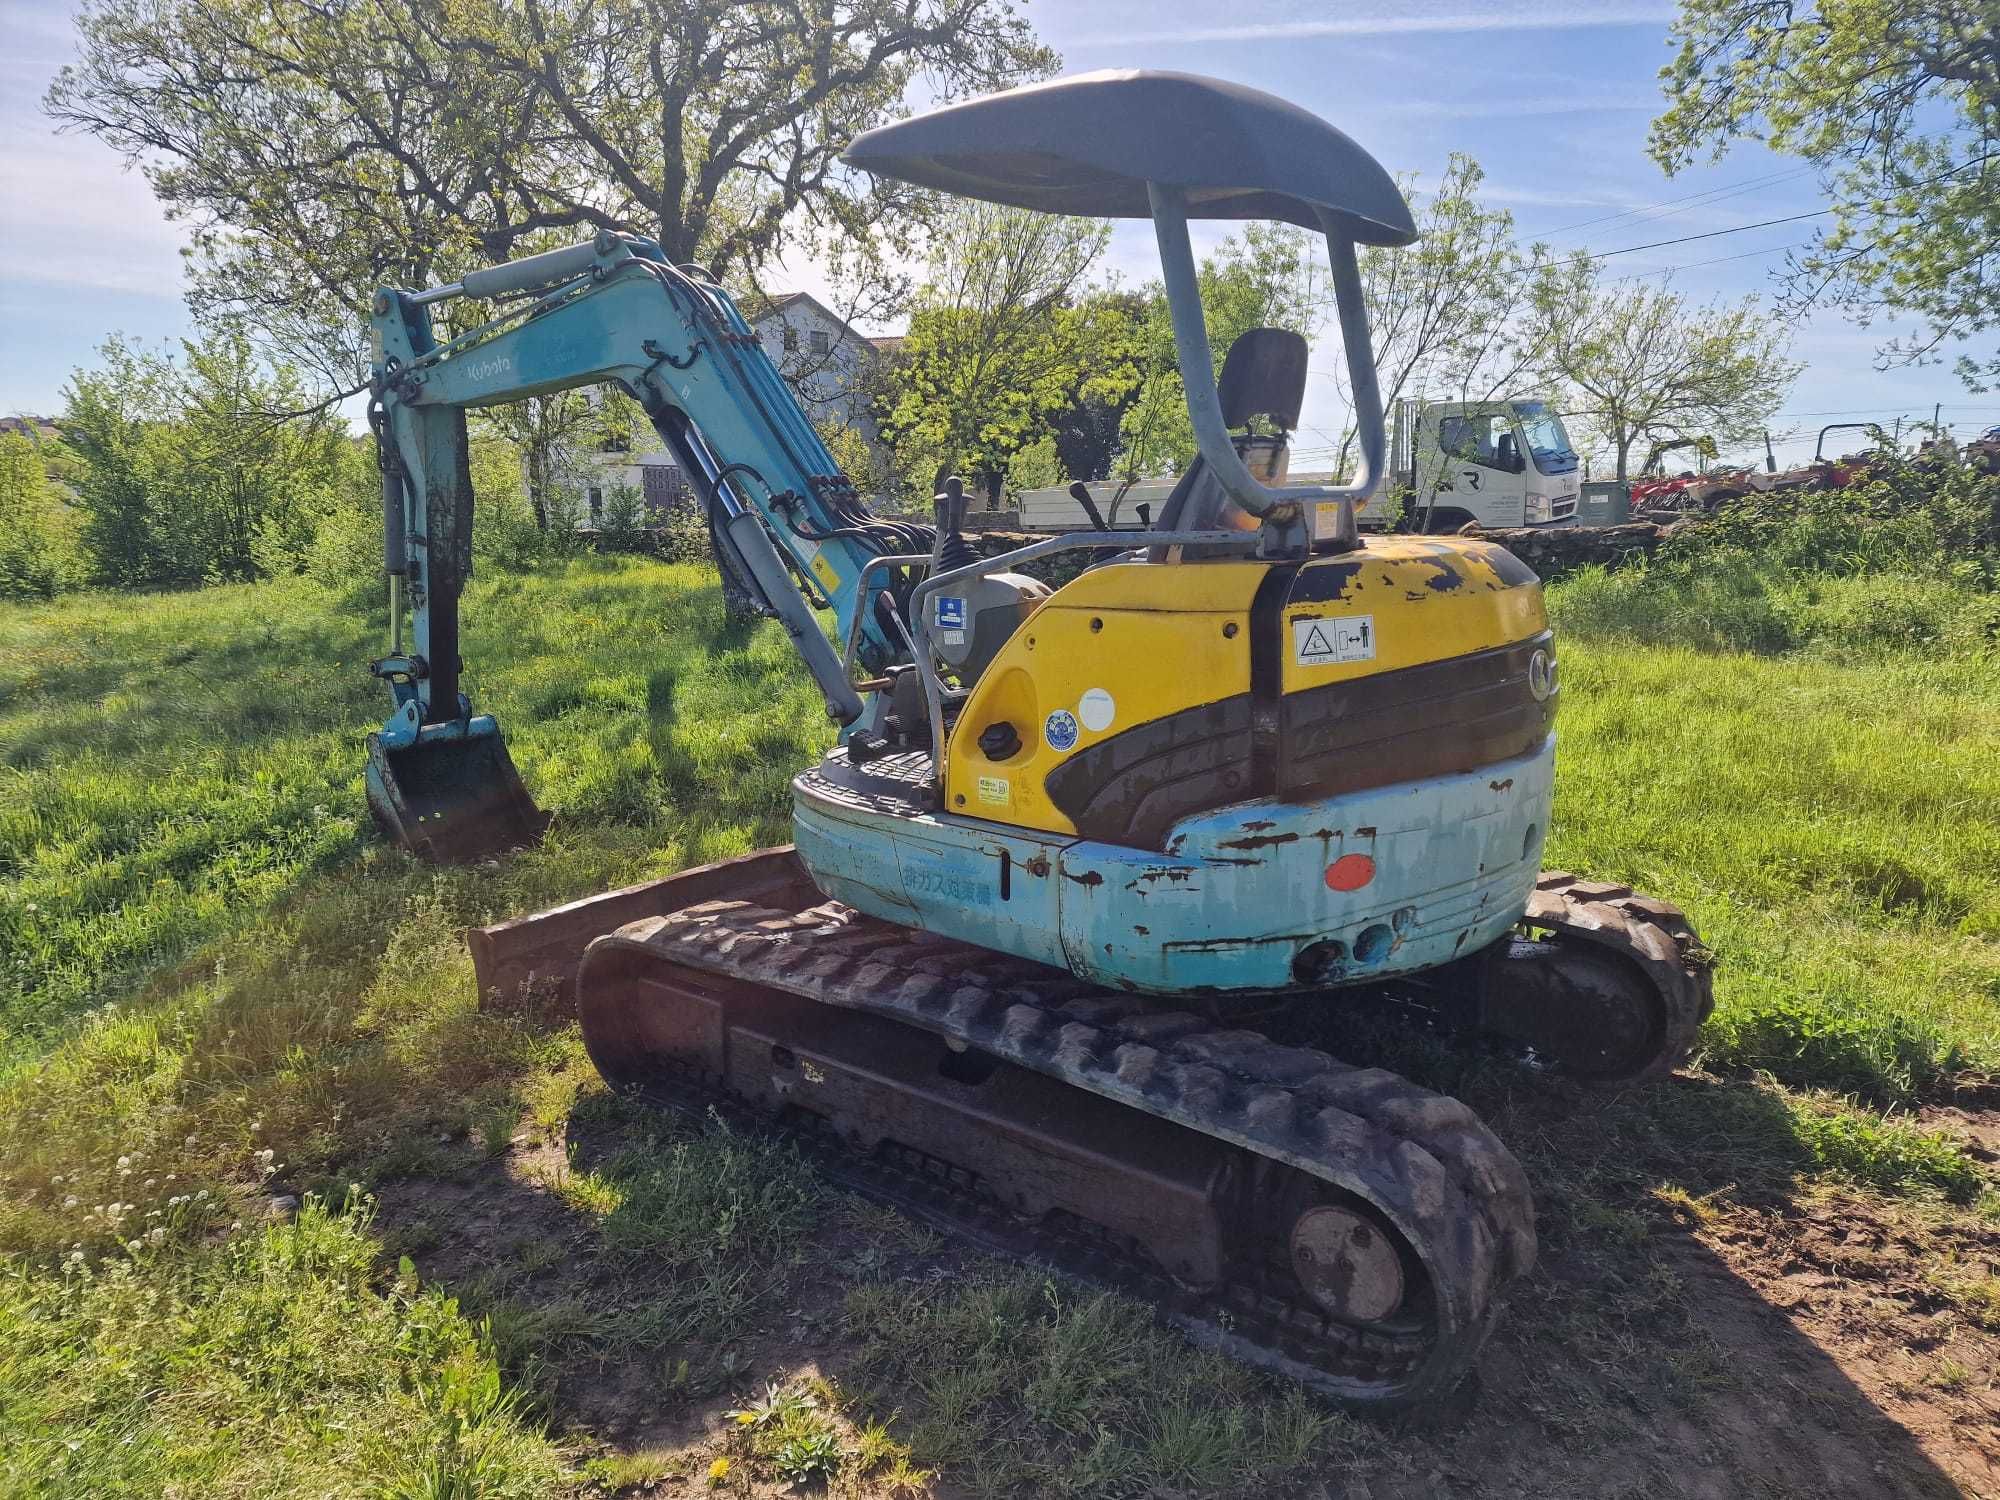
[70,1201]
[56,1181]
[152,1182]
[134,1246]
[189,1141]
[124,1162]
[256,1125]
[155,1235]
[75,1256]
[202,1196]
[718,1471]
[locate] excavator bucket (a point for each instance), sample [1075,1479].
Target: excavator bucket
[452,800]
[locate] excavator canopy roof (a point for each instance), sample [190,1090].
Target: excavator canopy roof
[1090,144]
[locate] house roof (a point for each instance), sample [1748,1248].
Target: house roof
[29,426]
[777,303]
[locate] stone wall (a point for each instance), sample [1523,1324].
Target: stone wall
[1553,551]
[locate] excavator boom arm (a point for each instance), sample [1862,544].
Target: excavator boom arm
[789,523]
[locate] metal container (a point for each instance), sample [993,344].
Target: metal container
[1604,502]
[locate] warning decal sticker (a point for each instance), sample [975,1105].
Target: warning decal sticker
[1335,638]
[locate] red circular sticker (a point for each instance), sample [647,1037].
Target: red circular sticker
[1350,872]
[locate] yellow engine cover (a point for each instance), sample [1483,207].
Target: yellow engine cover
[1199,643]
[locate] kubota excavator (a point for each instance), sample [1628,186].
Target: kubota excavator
[1245,760]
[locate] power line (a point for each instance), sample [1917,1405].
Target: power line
[1713,233]
[1718,260]
[1689,200]
[1816,213]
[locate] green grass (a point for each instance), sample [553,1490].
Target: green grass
[277,1363]
[1834,830]
[218,983]
[173,768]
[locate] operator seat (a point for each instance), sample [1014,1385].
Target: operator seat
[1263,375]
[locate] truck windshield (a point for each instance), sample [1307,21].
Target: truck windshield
[1543,432]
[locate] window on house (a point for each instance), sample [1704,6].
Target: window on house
[819,341]
[791,339]
[596,505]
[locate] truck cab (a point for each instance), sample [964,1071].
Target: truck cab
[1497,463]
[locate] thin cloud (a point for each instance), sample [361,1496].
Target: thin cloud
[1496,19]
[1514,109]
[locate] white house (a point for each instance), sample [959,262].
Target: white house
[821,358]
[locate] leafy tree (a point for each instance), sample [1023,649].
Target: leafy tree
[1640,362]
[1035,466]
[1001,339]
[186,477]
[1897,104]
[40,555]
[320,151]
[1447,314]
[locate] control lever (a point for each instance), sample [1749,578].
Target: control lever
[1080,493]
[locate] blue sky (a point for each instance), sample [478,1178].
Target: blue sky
[1552,99]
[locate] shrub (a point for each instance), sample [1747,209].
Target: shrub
[40,554]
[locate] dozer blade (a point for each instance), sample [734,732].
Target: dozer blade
[451,799]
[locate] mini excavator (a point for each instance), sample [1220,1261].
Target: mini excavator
[1068,839]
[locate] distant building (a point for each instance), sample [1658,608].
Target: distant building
[39,429]
[823,360]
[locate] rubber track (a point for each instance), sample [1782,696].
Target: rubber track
[1653,935]
[1425,1161]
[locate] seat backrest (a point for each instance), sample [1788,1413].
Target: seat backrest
[1264,375]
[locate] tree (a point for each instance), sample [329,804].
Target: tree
[1896,103]
[1639,362]
[321,151]
[39,551]
[1000,339]
[185,477]
[1447,314]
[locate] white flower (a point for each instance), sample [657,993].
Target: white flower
[75,1255]
[152,1182]
[70,1201]
[189,1141]
[124,1161]
[134,1246]
[154,1236]
[56,1181]
[202,1196]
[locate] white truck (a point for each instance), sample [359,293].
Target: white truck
[1499,463]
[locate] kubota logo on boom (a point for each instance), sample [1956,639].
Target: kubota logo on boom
[485,369]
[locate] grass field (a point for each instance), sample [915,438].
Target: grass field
[220,988]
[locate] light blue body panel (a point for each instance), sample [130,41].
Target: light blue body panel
[1242,894]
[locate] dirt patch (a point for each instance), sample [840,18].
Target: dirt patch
[1824,1343]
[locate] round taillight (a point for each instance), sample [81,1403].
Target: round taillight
[1350,872]
[1541,675]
